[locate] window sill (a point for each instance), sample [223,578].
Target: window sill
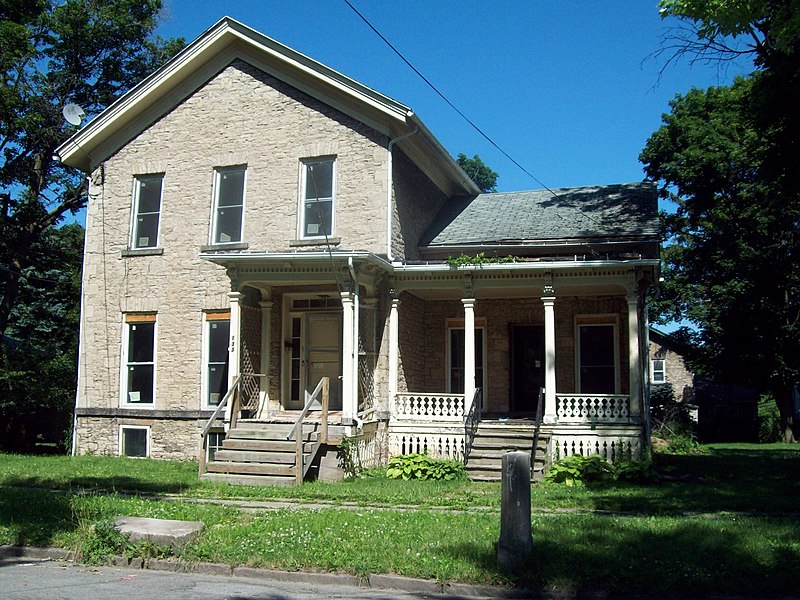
[333,241]
[142,252]
[223,247]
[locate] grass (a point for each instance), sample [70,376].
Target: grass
[651,549]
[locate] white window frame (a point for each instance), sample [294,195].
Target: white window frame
[206,339]
[603,320]
[218,172]
[480,324]
[123,379]
[208,442]
[301,210]
[662,370]
[122,429]
[134,239]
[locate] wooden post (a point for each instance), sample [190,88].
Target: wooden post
[323,436]
[201,456]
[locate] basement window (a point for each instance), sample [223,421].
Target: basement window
[134,441]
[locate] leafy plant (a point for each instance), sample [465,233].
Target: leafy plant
[769,421]
[349,458]
[577,470]
[100,543]
[422,466]
[478,260]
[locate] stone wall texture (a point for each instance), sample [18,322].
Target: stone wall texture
[677,374]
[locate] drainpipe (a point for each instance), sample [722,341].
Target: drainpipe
[389,182]
[354,372]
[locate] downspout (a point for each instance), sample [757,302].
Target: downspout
[389,185]
[354,373]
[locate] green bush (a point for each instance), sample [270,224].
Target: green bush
[577,470]
[769,421]
[422,466]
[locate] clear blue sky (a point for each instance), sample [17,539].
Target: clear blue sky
[566,88]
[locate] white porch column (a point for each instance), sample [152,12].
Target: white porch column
[549,300]
[349,388]
[394,349]
[469,352]
[633,354]
[266,338]
[234,347]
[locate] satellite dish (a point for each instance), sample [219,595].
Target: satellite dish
[73,114]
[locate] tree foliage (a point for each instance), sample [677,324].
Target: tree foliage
[729,158]
[483,176]
[53,53]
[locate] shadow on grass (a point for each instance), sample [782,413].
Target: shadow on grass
[105,483]
[34,517]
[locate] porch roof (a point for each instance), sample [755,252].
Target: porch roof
[617,213]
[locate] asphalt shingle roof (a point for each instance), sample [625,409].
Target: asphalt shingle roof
[609,211]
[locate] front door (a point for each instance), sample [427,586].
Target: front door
[527,367]
[315,342]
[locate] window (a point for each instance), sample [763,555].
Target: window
[214,443]
[217,338]
[317,198]
[228,218]
[455,367]
[146,211]
[597,371]
[659,370]
[134,441]
[138,377]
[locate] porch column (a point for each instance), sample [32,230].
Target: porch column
[633,355]
[234,346]
[349,403]
[394,348]
[266,338]
[549,301]
[469,352]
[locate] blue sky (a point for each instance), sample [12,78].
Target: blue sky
[569,89]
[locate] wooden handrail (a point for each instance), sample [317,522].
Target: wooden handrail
[471,420]
[297,430]
[215,415]
[537,426]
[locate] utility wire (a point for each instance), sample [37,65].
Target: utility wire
[449,103]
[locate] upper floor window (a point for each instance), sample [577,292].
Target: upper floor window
[316,212]
[146,211]
[659,370]
[139,360]
[228,217]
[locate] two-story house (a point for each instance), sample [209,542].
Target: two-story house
[258,222]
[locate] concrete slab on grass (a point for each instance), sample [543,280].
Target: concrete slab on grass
[164,532]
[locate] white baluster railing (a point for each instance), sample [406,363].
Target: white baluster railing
[592,408]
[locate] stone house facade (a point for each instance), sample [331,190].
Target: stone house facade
[258,221]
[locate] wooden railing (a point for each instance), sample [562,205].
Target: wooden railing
[301,466]
[592,408]
[536,428]
[428,407]
[471,420]
[232,392]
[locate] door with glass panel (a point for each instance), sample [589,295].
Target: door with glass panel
[314,346]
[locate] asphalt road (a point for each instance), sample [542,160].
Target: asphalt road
[34,579]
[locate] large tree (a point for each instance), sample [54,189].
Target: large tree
[729,158]
[53,53]
[483,176]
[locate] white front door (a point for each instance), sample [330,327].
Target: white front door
[314,345]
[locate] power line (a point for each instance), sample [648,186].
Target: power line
[447,100]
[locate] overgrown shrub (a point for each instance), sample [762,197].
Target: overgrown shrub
[769,421]
[349,459]
[670,421]
[580,470]
[101,542]
[422,466]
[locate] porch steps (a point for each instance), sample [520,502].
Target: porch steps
[258,453]
[492,440]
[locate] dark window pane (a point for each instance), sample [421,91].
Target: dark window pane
[319,180]
[229,225]
[231,188]
[134,442]
[149,195]
[146,235]
[140,384]
[217,383]
[597,370]
[318,217]
[141,342]
[218,339]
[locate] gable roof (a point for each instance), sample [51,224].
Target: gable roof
[229,40]
[596,213]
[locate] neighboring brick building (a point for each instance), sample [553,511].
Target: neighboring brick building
[257,221]
[667,366]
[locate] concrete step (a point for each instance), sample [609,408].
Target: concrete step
[246,468]
[249,479]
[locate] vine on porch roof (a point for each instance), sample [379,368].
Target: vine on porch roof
[478,260]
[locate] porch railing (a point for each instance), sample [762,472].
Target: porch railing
[593,408]
[232,392]
[471,421]
[428,407]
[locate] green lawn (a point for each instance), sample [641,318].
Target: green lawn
[651,548]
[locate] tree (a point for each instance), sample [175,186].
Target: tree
[52,53]
[479,172]
[729,158]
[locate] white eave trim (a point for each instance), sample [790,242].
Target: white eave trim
[315,256]
[543,265]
